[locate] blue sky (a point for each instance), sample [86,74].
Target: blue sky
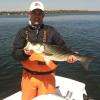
[12,5]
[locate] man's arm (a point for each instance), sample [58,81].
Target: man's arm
[18,45]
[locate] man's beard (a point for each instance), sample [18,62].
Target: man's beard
[36,23]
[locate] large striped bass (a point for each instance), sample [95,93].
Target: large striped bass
[57,53]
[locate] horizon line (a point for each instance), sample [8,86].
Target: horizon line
[48,10]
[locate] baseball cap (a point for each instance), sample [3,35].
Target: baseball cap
[36,5]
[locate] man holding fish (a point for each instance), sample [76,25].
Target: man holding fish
[33,48]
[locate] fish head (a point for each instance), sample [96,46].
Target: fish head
[35,47]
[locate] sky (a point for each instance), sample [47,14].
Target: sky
[23,5]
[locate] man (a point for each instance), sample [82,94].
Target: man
[38,78]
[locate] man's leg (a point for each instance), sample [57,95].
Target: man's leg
[29,91]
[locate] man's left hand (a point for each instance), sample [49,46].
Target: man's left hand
[71,59]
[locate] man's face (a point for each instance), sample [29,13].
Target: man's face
[36,17]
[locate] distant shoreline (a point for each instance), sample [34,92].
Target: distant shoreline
[49,12]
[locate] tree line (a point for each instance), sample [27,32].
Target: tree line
[48,12]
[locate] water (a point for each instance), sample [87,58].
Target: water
[81,33]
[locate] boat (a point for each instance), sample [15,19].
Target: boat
[66,89]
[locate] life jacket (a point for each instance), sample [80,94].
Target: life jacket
[38,66]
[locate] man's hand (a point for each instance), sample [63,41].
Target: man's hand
[72,59]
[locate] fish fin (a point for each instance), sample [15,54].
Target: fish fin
[86,61]
[36,57]
[47,53]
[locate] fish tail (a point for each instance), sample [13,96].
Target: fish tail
[86,61]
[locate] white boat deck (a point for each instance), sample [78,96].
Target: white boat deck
[68,88]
